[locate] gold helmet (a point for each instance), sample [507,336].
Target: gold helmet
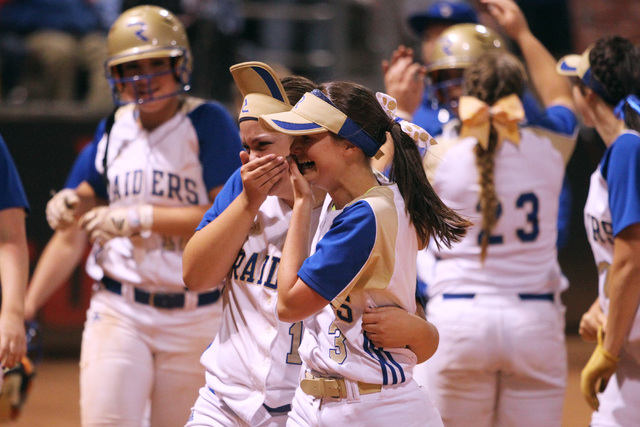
[145,32]
[459,45]
[456,48]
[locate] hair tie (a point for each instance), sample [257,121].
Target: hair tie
[477,117]
[421,137]
[633,102]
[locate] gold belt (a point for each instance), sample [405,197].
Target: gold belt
[333,387]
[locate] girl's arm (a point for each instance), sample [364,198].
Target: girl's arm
[59,259]
[394,327]
[14,272]
[211,252]
[296,300]
[624,288]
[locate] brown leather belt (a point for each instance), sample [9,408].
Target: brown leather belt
[333,387]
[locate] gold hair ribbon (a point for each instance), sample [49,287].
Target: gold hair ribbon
[477,117]
[419,135]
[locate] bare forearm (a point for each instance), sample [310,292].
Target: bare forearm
[624,290]
[295,251]
[59,259]
[177,221]
[14,261]
[211,251]
[553,88]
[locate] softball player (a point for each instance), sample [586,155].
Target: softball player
[163,157]
[606,91]
[253,364]
[365,251]
[495,296]
[14,261]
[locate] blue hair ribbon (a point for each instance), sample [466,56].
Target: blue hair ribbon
[632,101]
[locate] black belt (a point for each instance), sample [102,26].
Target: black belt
[523,297]
[279,410]
[169,300]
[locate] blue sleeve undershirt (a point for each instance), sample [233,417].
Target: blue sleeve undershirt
[342,251]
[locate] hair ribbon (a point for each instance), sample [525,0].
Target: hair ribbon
[421,137]
[633,102]
[477,117]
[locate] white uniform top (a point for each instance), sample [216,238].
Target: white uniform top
[254,358]
[176,164]
[365,255]
[521,256]
[612,205]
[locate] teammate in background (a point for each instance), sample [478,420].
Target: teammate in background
[495,296]
[14,261]
[244,232]
[164,157]
[607,90]
[404,78]
[365,251]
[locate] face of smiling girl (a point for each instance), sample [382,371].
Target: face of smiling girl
[318,158]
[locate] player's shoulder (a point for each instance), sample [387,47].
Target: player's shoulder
[206,107]
[624,151]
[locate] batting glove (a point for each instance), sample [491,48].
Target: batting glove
[596,373]
[104,223]
[61,209]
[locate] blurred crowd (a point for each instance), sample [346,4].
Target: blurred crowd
[55,49]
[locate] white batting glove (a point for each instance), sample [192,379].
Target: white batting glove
[61,209]
[104,223]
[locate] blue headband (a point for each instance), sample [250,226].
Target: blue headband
[315,113]
[591,81]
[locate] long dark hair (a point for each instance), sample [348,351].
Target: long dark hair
[615,63]
[429,215]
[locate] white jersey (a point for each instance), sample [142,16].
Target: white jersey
[176,164]
[254,358]
[521,256]
[364,256]
[606,216]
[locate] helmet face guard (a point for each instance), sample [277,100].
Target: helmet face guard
[444,85]
[141,83]
[146,32]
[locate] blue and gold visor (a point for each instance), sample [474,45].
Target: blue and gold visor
[315,113]
[579,66]
[263,93]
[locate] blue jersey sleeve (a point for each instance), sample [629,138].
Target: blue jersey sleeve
[621,169]
[342,251]
[12,194]
[84,167]
[557,118]
[219,140]
[228,194]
